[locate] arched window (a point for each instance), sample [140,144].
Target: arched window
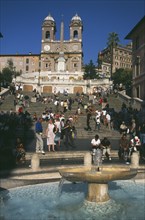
[47,35]
[75,35]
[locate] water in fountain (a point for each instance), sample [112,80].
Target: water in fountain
[61,182]
[42,202]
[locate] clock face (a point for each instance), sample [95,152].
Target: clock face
[46,47]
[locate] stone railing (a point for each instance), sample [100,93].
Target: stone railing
[4,92]
[134,102]
[124,98]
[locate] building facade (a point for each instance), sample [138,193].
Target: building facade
[122,58]
[23,63]
[59,66]
[62,55]
[137,35]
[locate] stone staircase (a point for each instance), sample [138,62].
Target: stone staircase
[38,108]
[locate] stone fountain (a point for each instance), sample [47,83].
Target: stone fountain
[97,179]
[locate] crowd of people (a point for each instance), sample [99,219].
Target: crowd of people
[57,130]
[61,123]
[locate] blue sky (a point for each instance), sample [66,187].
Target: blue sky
[21,21]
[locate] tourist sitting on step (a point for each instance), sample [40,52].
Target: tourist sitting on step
[106,146]
[123,128]
[20,152]
[135,144]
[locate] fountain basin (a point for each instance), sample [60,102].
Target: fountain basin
[97,180]
[90,175]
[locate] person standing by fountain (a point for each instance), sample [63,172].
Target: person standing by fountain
[50,134]
[69,131]
[39,140]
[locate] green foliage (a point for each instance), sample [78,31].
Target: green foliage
[10,64]
[7,75]
[90,71]
[113,39]
[124,77]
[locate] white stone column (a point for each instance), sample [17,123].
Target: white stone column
[135,160]
[88,159]
[98,192]
[35,162]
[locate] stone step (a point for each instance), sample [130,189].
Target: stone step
[64,155]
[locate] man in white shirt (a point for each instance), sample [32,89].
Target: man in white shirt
[95,142]
[96,151]
[108,118]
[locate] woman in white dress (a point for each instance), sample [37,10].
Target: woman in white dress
[50,133]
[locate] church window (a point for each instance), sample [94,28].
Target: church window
[27,68]
[75,36]
[27,60]
[46,65]
[47,35]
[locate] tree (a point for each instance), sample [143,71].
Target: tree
[8,73]
[7,76]
[124,77]
[90,71]
[10,64]
[112,42]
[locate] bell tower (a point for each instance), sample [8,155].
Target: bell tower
[48,33]
[76,28]
[76,57]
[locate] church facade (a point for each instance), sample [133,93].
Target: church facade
[59,66]
[62,55]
